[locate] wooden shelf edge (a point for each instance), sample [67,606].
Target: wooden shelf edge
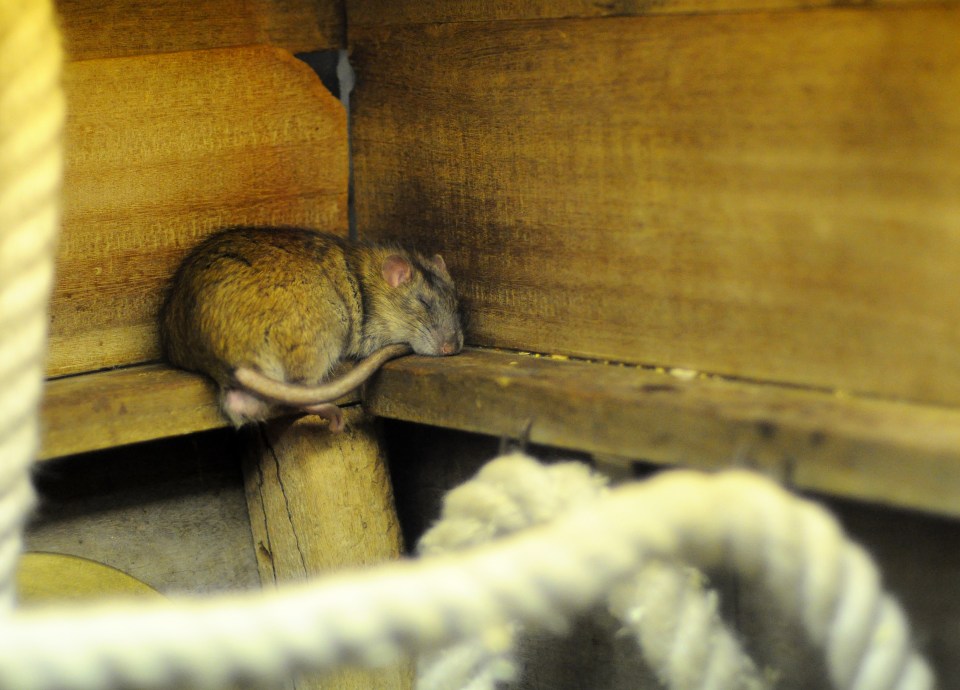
[118,407]
[900,454]
[123,406]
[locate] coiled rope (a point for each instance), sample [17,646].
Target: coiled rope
[531,578]
[31,124]
[737,520]
[666,606]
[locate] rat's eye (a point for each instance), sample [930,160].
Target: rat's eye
[425,302]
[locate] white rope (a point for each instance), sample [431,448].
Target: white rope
[544,573]
[31,121]
[665,606]
[674,619]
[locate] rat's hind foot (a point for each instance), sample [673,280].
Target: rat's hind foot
[241,407]
[328,411]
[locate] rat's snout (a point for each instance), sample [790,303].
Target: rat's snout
[452,344]
[435,345]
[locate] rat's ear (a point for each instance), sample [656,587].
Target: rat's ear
[396,270]
[440,265]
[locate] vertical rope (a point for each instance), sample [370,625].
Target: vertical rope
[31,123]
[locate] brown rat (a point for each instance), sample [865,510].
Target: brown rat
[268,312]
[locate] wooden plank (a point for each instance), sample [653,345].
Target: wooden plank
[320,502]
[123,28]
[890,452]
[387,12]
[161,150]
[684,190]
[114,408]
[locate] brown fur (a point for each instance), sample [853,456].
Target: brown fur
[292,303]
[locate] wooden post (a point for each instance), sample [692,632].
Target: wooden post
[320,502]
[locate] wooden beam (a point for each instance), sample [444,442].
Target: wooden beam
[896,453]
[768,195]
[160,151]
[386,12]
[114,408]
[122,28]
[320,502]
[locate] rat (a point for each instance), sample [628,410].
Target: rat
[268,312]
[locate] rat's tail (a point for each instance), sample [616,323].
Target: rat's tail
[296,395]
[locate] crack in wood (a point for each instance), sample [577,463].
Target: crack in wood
[286,505]
[264,549]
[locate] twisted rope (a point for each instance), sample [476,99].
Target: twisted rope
[566,566]
[31,122]
[664,605]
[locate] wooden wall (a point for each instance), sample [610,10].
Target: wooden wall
[191,117]
[765,190]
[182,118]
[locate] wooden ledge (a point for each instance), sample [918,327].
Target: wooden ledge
[121,406]
[896,453]
[900,454]
[114,408]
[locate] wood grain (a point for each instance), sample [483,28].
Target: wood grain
[896,453]
[124,28]
[899,454]
[115,408]
[768,195]
[320,502]
[386,12]
[161,150]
